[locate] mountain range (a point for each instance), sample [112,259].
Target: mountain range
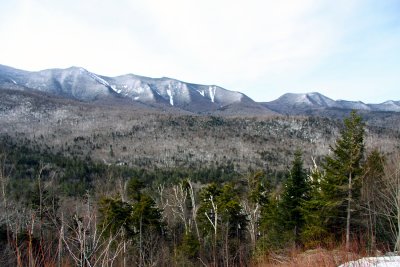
[292,103]
[147,122]
[79,84]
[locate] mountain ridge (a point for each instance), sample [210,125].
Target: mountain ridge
[112,128]
[292,103]
[169,93]
[80,84]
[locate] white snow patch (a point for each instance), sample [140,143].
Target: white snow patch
[201,92]
[212,90]
[140,90]
[14,82]
[303,99]
[387,261]
[98,79]
[114,87]
[171,99]
[136,98]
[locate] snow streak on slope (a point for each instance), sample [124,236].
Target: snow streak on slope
[171,99]
[212,90]
[201,92]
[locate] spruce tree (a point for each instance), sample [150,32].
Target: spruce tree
[341,184]
[296,191]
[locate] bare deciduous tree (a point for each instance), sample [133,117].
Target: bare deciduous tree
[389,198]
[88,244]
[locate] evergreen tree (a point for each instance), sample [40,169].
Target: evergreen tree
[273,234]
[296,191]
[341,184]
[114,215]
[272,227]
[315,231]
[221,219]
[135,217]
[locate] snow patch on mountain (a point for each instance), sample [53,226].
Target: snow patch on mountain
[201,92]
[98,79]
[212,90]
[171,98]
[114,87]
[130,86]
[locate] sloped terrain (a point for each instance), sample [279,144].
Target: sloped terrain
[165,93]
[138,136]
[299,103]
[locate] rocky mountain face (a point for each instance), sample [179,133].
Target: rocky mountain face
[170,94]
[79,84]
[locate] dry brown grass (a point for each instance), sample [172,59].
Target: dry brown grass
[317,257]
[310,258]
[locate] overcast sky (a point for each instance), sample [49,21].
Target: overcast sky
[343,49]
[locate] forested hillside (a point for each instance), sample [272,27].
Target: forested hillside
[144,138]
[62,206]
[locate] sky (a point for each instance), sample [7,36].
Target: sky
[344,49]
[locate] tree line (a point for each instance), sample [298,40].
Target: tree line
[130,218]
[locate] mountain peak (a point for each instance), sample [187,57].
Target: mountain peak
[309,100]
[298,103]
[80,84]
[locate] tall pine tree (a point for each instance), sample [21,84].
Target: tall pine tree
[295,193]
[341,184]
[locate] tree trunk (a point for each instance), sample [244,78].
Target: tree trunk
[194,210]
[349,199]
[397,246]
[3,180]
[140,242]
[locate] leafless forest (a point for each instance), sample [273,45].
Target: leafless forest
[93,185]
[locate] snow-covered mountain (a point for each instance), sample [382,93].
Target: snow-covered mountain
[166,93]
[387,106]
[309,100]
[175,93]
[302,103]
[74,82]
[80,84]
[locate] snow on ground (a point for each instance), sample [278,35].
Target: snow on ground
[387,261]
